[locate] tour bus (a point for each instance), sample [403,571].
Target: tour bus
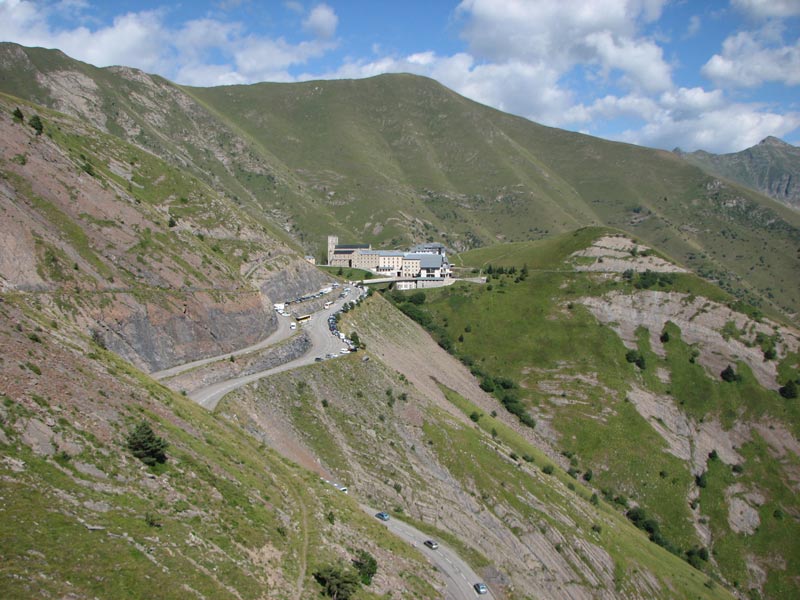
[302,318]
[328,304]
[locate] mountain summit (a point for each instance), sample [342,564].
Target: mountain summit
[771,167]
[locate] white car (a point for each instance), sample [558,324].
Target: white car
[292,326]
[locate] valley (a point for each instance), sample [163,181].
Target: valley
[600,406]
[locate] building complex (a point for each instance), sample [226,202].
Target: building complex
[424,261]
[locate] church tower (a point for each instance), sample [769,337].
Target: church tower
[333,241]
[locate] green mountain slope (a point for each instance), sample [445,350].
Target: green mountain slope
[223,517]
[105,247]
[618,358]
[397,433]
[398,158]
[771,167]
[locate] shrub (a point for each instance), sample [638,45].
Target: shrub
[547,469]
[701,480]
[337,581]
[730,375]
[634,356]
[37,124]
[146,445]
[475,416]
[366,565]
[587,476]
[664,337]
[789,391]
[18,116]
[151,520]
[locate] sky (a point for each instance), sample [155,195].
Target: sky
[717,75]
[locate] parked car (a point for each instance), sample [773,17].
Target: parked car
[431,544]
[480,588]
[383,517]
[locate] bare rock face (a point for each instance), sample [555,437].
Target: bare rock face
[158,336]
[743,509]
[293,279]
[701,322]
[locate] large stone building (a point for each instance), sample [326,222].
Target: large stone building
[423,261]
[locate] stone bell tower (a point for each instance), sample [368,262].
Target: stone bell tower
[333,240]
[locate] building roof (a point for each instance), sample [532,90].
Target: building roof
[427,261]
[430,246]
[351,247]
[384,253]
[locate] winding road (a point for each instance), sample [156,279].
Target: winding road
[459,577]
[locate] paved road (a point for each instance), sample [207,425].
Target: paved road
[281,333]
[458,575]
[322,343]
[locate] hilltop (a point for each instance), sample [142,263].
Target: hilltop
[771,167]
[398,159]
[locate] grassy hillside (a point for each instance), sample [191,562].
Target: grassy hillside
[223,517]
[697,453]
[482,487]
[398,158]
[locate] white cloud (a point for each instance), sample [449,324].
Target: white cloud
[726,128]
[748,61]
[198,52]
[562,35]
[321,21]
[695,22]
[763,9]
[641,61]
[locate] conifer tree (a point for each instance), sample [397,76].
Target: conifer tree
[146,445]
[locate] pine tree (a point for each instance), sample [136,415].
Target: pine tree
[366,565]
[789,391]
[37,124]
[146,445]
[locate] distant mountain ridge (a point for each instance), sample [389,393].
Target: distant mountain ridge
[771,167]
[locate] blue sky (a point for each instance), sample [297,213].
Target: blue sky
[718,75]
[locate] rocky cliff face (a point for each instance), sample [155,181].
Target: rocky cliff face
[182,328]
[155,265]
[771,167]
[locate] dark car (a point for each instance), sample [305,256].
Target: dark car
[382,516]
[431,544]
[480,588]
